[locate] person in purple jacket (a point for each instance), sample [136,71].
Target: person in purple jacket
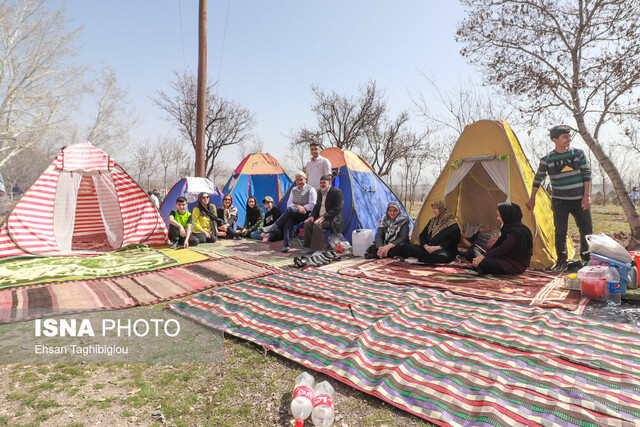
[511,254]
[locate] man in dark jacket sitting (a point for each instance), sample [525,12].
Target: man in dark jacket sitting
[327,213]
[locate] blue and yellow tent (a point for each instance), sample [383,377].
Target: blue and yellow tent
[258,175]
[366,196]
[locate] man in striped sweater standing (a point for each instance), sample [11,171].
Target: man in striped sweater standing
[570,177]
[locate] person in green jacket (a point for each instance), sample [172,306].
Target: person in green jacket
[253,219]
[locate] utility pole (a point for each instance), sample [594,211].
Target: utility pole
[201,103]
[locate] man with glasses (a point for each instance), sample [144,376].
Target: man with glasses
[570,177]
[301,201]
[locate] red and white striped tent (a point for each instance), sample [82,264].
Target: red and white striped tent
[82,195]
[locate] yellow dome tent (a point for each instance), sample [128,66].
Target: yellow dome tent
[487,166]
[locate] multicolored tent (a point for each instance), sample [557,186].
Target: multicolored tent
[258,175]
[366,196]
[83,196]
[487,166]
[189,187]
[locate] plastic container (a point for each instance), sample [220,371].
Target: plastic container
[614,290]
[593,282]
[628,278]
[361,239]
[302,402]
[323,409]
[572,282]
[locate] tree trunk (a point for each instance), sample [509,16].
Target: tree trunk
[618,185]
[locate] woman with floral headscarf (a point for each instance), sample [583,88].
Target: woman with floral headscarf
[393,231]
[439,239]
[511,254]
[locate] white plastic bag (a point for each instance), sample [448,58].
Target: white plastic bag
[604,245]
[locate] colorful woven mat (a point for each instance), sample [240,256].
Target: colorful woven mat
[266,252]
[450,359]
[126,260]
[29,302]
[184,256]
[537,288]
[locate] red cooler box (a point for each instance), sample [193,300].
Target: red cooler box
[593,282]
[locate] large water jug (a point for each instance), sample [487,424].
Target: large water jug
[361,239]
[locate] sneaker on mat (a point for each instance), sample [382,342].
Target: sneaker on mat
[560,266]
[174,245]
[284,249]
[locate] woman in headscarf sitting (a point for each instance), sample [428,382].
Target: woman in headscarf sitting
[439,239]
[393,231]
[253,219]
[511,254]
[204,220]
[229,215]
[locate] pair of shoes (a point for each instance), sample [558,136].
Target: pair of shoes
[302,262]
[319,260]
[284,249]
[236,237]
[560,266]
[307,252]
[332,255]
[174,245]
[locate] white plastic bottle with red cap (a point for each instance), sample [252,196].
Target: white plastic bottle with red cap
[323,409]
[302,403]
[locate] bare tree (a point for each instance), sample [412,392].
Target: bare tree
[388,142]
[114,116]
[464,105]
[411,165]
[343,121]
[298,155]
[166,147]
[23,169]
[144,162]
[245,149]
[227,123]
[38,84]
[580,57]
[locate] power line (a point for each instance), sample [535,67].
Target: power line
[184,61]
[224,38]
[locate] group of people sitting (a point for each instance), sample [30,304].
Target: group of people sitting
[510,253]
[206,224]
[319,211]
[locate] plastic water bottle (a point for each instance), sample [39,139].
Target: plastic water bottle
[614,295]
[323,410]
[302,403]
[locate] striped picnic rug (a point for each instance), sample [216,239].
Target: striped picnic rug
[450,359]
[28,302]
[540,288]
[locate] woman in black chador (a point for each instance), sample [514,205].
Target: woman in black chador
[439,239]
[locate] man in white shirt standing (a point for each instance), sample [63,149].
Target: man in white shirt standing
[317,167]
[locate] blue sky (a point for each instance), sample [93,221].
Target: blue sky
[273,52]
